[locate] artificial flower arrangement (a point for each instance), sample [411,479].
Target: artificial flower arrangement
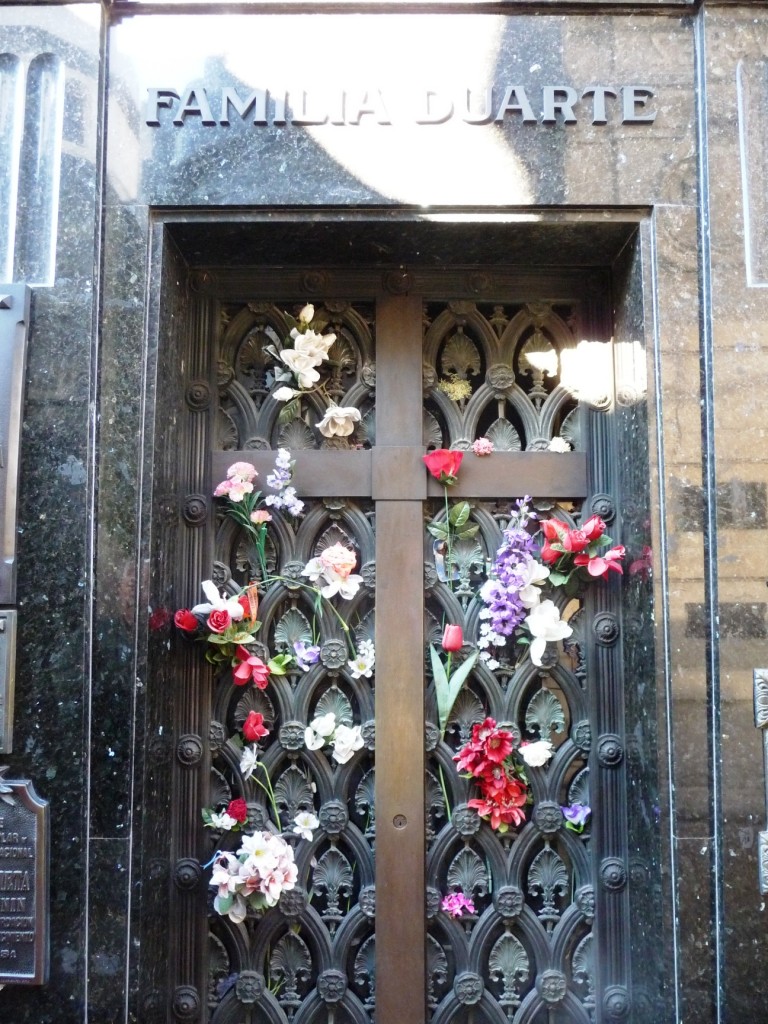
[301,362]
[514,612]
[253,876]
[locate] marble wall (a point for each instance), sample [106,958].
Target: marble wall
[85,227]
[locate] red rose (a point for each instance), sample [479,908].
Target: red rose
[453,638]
[594,528]
[245,604]
[253,727]
[548,553]
[219,620]
[238,810]
[185,620]
[553,529]
[575,540]
[443,464]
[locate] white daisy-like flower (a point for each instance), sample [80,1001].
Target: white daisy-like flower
[304,823]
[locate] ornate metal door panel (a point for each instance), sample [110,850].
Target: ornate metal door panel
[362,937]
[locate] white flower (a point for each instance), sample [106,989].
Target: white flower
[319,730]
[315,346]
[307,314]
[532,573]
[249,761]
[362,664]
[337,582]
[302,366]
[218,603]
[339,421]
[558,444]
[536,754]
[223,821]
[284,394]
[346,741]
[303,824]
[545,625]
[224,874]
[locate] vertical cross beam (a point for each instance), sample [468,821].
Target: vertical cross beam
[400,844]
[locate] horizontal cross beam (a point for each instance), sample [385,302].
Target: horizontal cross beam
[396,473]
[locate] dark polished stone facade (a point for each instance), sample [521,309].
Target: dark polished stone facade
[114,211]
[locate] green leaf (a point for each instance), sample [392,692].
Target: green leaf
[468,531]
[219,638]
[459,514]
[292,322]
[318,325]
[242,638]
[447,690]
[441,532]
[558,579]
[279,664]
[290,411]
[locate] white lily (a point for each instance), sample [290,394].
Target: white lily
[545,625]
[218,603]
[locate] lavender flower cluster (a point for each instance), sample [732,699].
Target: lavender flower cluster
[503,593]
[279,481]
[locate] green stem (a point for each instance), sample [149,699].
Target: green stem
[297,583]
[270,793]
[445,793]
[449,566]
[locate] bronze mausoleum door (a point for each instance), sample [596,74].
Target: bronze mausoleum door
[431,360]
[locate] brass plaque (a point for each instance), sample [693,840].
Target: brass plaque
[24,942]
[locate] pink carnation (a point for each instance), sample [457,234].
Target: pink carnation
[242,471]
[482,446]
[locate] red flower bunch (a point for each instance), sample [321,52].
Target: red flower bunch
[488,759]
[443,464]
[586,547]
